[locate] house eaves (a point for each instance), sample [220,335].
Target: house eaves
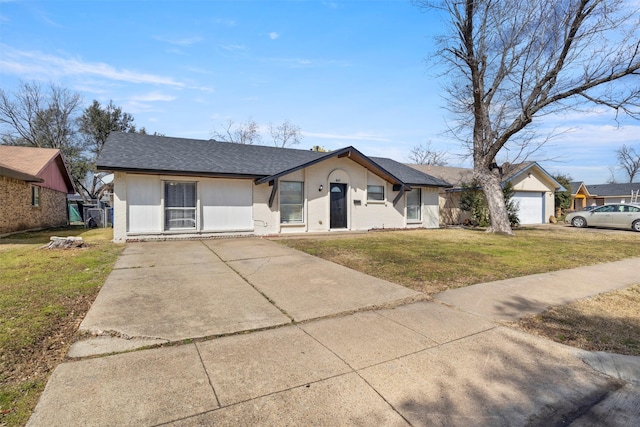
[348,152]
[15,174]
[526,168]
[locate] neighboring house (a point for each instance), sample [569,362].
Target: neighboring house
[534,191]
[176,187]
[583,195]
[34,183]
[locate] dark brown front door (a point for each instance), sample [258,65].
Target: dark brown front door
[338,209]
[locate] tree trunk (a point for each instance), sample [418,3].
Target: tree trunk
[490,183]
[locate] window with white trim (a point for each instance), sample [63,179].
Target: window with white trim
[179,205]
[291,202]
[413,205]
[375,192]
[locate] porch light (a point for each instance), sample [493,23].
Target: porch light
[320,188]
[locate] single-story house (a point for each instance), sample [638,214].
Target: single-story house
[534,191]
[583,195]
[176,187]
[34,183]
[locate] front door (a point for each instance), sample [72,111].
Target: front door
[338,208]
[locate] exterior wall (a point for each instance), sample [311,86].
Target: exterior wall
[17,213]
[450,212]
[119,207]
[52,176]
[223,206]
[139,206]
[430,208]
[362,214]
[534,182]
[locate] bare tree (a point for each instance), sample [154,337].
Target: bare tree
[285,134]
[629,160]
[95,124]
[38,118]
[512,61]
[239,133]
[46,118]
[423,154]
[612,175]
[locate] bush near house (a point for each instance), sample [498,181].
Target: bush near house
[473,200]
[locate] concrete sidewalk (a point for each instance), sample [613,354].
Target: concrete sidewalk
[419,363]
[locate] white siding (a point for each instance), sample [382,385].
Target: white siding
[431,210]
[144,203]
[227,204]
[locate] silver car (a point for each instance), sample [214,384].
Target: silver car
[612,215]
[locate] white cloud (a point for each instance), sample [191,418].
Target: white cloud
[152,97]
[273,35]
[38,64]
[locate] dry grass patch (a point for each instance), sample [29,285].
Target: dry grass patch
[608,322]
[431,261]
[44,295]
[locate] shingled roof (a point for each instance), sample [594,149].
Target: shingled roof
[181,156]
[31,164]
[606,190]
[459,176]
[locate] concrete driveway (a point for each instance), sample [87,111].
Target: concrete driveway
[162,292]
[287,339]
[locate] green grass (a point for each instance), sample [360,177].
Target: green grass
[44,294]
[431,261]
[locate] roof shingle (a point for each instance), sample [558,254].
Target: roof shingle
[159,154]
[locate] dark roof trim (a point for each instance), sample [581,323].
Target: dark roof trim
[349,152]
[403,188]
[71,186]
[12,173]
[183,173]
[274,191]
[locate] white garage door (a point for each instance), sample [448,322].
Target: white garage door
[531,207]
[227,204]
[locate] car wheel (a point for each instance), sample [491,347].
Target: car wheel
[579,222]
[636,225]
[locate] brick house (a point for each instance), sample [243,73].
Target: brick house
[34,183]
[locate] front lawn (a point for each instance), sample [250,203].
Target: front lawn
[431,261]
[607,322]
[44,295]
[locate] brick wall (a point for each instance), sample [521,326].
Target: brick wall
[16,212]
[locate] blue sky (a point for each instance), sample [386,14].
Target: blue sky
[346,72]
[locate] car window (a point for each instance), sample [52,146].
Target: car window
[633,209]
[605,209]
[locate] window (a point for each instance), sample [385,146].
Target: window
[413,205]
[609,208]
[179,205]
[375,192]
[35,195]
[291,202]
